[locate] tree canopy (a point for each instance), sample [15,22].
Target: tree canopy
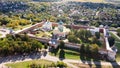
[18,44]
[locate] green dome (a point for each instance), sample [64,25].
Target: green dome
[60,22]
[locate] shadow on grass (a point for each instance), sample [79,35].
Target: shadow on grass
[97,63]
[21,57]
[82,58]
[115,64]
[90,61]
[72,53]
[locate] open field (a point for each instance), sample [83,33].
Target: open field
[70,55]
[26,63]
[43,34]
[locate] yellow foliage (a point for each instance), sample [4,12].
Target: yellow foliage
[94,47]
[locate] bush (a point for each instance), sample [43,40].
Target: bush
[61,64]
[53,65]
[118,32]
[97,34]
[73,39]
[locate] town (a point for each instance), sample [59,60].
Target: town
[55,34]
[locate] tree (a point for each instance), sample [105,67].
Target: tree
[45,46]
[82,49]
[95,23]
[14,44]
[94,48]
[95,41]
[84,35]
[61,45]
[114,25]
[97,34]
[82,53]
[62,54]
[118,32]
[73,39]
[36,45]
[5,20]
[111,41]
[87,50]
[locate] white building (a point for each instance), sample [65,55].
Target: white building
[47,26]
[61,30]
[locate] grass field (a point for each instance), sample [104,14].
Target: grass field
[26,63]
[70,55]
[41,34]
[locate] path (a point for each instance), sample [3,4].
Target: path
[20,58]
[3,66]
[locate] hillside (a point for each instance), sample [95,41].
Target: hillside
[95,1]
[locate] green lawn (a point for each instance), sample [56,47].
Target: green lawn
[26,63]
[45,34]
[40,34]
[70,54]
